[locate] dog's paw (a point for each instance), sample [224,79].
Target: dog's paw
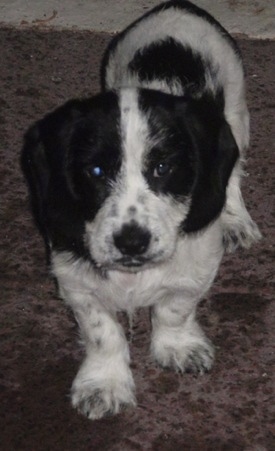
[100,400]
[192,358]
[182,353]
[199,359]
[240,234]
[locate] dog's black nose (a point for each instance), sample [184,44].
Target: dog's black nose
[132,240]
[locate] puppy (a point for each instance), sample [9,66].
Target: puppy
[137,194]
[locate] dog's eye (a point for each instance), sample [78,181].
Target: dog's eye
[97,172]
[162,169]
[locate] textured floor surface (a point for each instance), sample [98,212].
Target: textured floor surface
[233,407]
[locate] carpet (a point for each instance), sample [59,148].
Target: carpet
[231,408]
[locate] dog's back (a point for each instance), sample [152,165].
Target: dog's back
[178,48]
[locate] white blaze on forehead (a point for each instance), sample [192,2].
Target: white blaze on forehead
[134,134]
[134,127]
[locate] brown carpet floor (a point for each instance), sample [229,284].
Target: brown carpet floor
[233,407]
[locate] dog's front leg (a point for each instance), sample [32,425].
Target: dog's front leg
[178,341]
[104,383]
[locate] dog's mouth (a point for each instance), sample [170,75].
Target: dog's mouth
[129,264]
[132,263]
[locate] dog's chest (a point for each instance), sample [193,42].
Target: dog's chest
[130,291]
[187,275]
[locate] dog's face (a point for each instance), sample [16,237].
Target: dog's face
[117,178]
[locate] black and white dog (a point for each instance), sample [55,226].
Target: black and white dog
[137,192]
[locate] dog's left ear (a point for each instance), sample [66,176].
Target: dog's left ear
[215,154]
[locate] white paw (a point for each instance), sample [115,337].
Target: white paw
[99,398]
[187,355]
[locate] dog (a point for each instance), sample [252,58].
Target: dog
[137,194]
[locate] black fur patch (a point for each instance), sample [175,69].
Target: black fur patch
[58,158]
[194,139]
[180,4]
[168,60]
[217,153]
[172,144]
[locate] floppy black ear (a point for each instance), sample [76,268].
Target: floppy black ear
[216,153]
[44,158]
[36,170]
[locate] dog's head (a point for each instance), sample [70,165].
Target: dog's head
[118,177]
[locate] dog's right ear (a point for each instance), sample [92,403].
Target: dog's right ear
[36,170]
[45,154]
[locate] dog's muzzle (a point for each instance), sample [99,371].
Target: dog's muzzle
[132,241]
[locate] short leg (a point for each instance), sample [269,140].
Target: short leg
[239,229]
[178,341]
[104,384]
